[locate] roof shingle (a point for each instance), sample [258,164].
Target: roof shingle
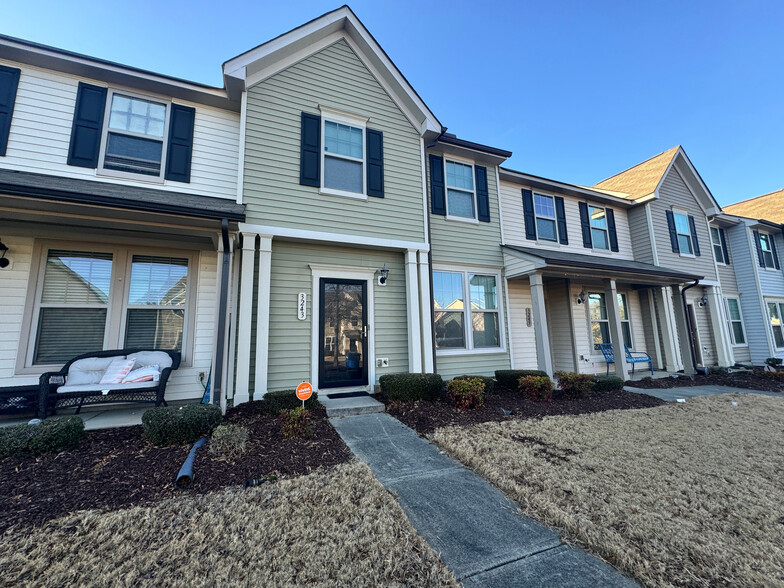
[768,206]
[640,180]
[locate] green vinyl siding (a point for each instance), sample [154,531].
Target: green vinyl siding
[337,78]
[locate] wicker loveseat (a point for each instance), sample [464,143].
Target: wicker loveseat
[78,384]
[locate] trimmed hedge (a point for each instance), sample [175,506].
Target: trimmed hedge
[486,380]
[607,384]
[177,426]
[295,422]
[574,385]
[411,387]
[509,378]
[275,403]
[466,393]
[536,388]
[51,436]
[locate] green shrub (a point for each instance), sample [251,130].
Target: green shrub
[295,422]
[228,441]
[608,383]
[509,378]
[574,385]
[276,402]
[774,362]
[487,381]
[176,426]
[466,393]
[537,388]
[718,371]
[51,436]
[411,387]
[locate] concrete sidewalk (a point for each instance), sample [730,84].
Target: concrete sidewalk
[683,392]
[479,534]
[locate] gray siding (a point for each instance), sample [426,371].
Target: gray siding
[333,77]
[772,280]
[638,226]
[704,327]
[727,278]
[557,302]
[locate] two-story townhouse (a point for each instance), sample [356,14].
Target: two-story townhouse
[118,194]
[574,281]
[335,269]
[752,280]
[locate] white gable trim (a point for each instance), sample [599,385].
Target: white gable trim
[701,188]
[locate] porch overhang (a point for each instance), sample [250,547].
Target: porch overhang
[523,261]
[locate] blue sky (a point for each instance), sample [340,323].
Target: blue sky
[577,90]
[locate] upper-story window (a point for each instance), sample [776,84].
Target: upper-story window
[766,247]
[460,193]
[544,209]
[718,247]
[134,136]
[684,233]
[344,157]
[598,227]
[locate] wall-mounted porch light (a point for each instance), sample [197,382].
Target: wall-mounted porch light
[4,263]
[383,275]
[581,297]
[704,300]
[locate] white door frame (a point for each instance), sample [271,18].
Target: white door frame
[347,273]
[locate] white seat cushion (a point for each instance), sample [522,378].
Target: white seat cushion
[145,358]
[102,387]
[89,370]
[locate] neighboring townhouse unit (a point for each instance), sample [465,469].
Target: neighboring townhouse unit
[118,190]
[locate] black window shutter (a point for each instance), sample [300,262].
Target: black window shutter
[611,229]
[560,215]
[772,238]
[528,215]
[375,163]
[673,233]
[87,126]
[437,195]
[724,249]
[310,151]
[482,196]
[9,82]
[585,224]
[180,149]
[760,258]
[693,229]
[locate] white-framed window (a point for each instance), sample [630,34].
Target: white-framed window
[460,190]
[626,323]
[718,249]
[88,298]
[776,315]
[467,311]
[343,153]
[683,230]
[544,211]
[767,250]
[134,136]
[599,235]
[600,322]
[735,321]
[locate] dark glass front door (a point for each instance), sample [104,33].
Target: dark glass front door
[343,336]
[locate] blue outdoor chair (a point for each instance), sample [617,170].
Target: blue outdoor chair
[632,357]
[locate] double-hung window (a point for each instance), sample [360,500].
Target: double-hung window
[683,231]
[599,236]
[718,248]
[776,314]
[626,323]
[343,157]
[466,311]
[735,321]
[767,250]
[600,323]
[460,191]
[544,210]
[134,136]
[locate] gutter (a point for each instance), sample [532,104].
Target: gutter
[689,326]
[217,385]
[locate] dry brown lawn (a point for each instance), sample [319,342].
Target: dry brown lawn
[685,494]
[337,527]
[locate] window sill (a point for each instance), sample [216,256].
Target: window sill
[689,255]
[734,345]
[477,351]
[344,193]
[108,173]
[471,221]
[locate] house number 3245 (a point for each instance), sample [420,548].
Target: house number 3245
[302,306]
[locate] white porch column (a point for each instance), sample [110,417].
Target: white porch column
[666,321]
[724,353]
[413,313]
[262,316]
[241,392]
[425,316]
[684,336]
[543,357]
[616,333]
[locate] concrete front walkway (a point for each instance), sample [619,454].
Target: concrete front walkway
[683,392]
[477,531]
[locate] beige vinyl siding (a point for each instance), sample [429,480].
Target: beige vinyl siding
[522,336]
[334,77]
[704,327]
[455,241]
[290,340]
[41,133]
[557,302]
[514,225]
[674,192]
[13,293]
[648,334]
[638,226]
[516,266]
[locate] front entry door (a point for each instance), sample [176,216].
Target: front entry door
[343,357]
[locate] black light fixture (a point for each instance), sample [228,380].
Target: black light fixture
[4,263]
[704,299]
[382,279]
[581,297]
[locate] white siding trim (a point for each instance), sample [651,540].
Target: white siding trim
[651,233]
[262,316]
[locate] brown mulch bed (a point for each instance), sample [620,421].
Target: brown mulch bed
[425,417]
[116,468]
[752,380]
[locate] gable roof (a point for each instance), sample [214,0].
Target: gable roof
[276,54]
[642,179]
[768,206]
